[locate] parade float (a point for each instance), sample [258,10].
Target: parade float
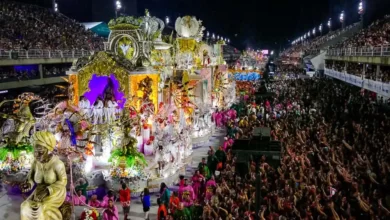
[129,114]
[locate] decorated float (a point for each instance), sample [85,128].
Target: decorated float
[129,114]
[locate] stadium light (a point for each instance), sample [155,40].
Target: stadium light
[118,6]
[330,23]
[213,36]
[55,7]
[361,8]
[342,19]
[167,20]
[314,31]
[308,34]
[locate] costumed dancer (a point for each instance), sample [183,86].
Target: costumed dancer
[165,194]
[111,211]
[98,111]
[197,180]
[145,198]
[125,199]
[210,186]
[174,203]
[85,107]
[186,194]
[79,199]
[182,213]
[94,202]
[49,174]
[109,196]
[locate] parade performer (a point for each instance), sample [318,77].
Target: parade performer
[174,203]
[182,213]
[85,107]
[94,202]
[111,211]
[197,180]
[186,194]
[125,199]
[109,196]
[165,194]
[210,186]
[48,172]
[79,199]
[98,112]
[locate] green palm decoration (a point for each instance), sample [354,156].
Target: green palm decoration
[130,154]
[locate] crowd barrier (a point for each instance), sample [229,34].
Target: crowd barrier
[43,54]
[380,88]
[382,51]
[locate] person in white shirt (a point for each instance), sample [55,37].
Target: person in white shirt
[85,107]
[98,111]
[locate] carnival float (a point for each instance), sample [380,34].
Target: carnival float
[131,113]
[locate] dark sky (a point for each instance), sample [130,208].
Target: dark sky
[263,24]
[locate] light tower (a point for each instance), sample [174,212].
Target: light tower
[167,20]
[361,12]
[55,6]
[118,6]
[342,19]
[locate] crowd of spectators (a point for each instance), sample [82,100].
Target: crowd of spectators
[26,27]
[289,69]
[377,34]
[9,73]
[335,163]
[357,69]
[312,45]
[54,70]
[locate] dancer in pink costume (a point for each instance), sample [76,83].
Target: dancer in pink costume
[111,212]
[197,183]
[210,186]
[226,143]
[186,194]
[79,199]
[218,119]
[94,202]
[109,196]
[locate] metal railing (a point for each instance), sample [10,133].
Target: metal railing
[42,54]
[382,51]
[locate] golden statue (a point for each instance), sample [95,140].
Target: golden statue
[48,172]
[23,120]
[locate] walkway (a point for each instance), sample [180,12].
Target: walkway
[10,204]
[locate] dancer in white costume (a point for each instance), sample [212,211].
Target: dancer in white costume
[98,112]
[85,107]
[109,111]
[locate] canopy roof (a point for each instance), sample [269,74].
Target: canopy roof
[99,28]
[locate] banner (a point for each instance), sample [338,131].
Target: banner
[369,84]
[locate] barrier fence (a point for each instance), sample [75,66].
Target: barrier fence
[381,88]
[382,51]
[43,54]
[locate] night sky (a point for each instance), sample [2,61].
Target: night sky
[262,24]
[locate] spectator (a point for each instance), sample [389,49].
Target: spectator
[20,22]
